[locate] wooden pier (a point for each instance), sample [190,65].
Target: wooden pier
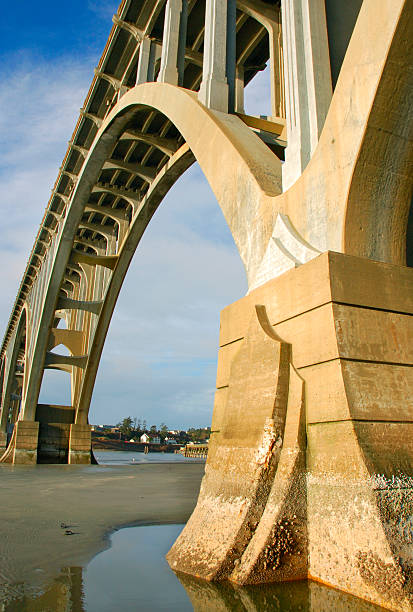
[196,450]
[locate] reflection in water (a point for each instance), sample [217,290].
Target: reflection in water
[285,597]
[133,575]
[65,595]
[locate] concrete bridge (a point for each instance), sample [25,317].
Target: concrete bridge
[310,461]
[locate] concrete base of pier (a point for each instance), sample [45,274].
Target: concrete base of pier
[310,464]
[80,444]
[22,448]
[3,442]
[52,438]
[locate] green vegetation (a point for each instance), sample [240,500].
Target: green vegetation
[199,435]
[133,428]
[126,426]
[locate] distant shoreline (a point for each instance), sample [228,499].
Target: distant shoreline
[123,445]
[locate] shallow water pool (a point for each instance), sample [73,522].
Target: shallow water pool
[133,575]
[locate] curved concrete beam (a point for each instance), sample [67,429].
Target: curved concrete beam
[220,141]
[164,180]
[10,367]
[252,175]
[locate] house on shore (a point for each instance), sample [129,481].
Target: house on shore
[146,439]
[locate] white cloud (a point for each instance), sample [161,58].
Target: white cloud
[159,361]
[39,105]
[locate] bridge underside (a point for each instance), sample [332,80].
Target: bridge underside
[309,470]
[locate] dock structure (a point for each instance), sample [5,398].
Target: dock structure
[310,461]
[196,450]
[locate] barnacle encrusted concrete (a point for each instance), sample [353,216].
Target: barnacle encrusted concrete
[310,473]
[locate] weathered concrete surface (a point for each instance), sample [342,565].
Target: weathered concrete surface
[336,501]
[80,444]
[3,441]
[54,429]
[242,463]
[22,448]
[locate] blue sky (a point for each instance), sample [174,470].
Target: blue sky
[54,29]
[159,361]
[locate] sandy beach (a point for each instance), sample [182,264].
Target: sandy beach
[41,566]
[92,501]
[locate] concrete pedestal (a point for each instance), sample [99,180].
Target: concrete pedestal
[3,442]
[310,466]
[54,432]
[80,444]
[23,444]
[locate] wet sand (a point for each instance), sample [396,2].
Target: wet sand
[93,501]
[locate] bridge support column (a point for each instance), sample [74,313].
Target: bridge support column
[277,71]
[239,89]
[310,462]
[80,444]
[24,442]
[174,39]
[219,47]
[307,75]
[143,62]
[3,441]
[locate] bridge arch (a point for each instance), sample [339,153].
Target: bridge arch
[2,377]
[249,192]
[337,369]
[252,176]
[13,376]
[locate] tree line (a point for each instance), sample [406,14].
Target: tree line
[135,427]
[130,426]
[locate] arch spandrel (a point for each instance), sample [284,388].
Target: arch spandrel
[332,204]
[242,172]
[382,184]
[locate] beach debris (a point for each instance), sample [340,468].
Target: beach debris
[68,529]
